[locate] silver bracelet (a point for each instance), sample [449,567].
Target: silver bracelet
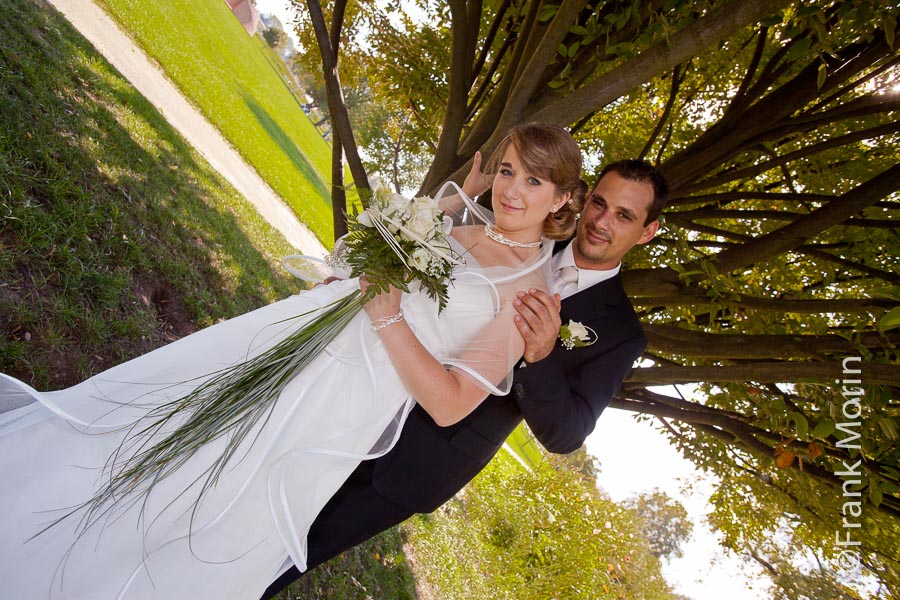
[379,324]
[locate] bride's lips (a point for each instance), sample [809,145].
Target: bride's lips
[509,207]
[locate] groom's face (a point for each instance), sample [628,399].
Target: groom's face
[612,222]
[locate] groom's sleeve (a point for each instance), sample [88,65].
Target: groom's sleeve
[562,407]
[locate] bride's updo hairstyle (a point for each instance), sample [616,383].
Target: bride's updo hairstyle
[549,152]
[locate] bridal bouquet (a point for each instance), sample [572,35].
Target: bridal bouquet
[395,241]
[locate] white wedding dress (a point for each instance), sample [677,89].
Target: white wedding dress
[347,405]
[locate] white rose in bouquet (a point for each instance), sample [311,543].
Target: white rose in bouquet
[420,259]
[423,220]
[397,205]
[364,219]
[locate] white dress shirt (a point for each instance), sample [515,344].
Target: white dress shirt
[586,277]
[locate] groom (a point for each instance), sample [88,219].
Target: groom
[560,393]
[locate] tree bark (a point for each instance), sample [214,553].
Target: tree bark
[763,372]
[699,344]
[340,120]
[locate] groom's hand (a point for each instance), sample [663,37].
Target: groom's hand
[538,321]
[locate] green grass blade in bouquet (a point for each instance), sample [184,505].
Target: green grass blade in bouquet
[231,402]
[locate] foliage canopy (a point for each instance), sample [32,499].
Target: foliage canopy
[770,296]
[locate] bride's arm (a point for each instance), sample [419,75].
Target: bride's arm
[446,395]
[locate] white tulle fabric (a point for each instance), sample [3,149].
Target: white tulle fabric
[348,406]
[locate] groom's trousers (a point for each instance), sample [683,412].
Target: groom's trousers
[426,468]
[348,519]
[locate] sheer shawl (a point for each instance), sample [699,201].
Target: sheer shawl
[491,354]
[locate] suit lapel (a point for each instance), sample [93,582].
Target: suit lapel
[594,302]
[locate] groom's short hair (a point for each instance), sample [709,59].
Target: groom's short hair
[641,171]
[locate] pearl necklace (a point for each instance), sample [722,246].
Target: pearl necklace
[502,239]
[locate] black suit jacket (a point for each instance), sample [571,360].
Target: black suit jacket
[560,398]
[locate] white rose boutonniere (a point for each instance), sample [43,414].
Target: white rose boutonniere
[576,335]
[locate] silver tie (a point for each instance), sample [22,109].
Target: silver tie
[567,281]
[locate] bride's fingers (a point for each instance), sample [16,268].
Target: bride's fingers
[538,322]
[384,303]
[476,182]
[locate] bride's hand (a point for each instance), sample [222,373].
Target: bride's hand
[384,304]
[476,182]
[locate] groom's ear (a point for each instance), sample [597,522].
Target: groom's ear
[649,231]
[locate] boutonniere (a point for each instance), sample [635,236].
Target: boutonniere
[576,335]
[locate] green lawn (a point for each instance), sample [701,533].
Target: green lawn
[115,235]
[233,80]
[525,446]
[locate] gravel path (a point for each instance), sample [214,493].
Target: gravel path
[130,61]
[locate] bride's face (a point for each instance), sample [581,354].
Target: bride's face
[521,201]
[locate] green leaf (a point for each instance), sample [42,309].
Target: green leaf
[823,429]
[889,487]
[891,472]
[800,423]
[887,427]
[771,21]
[807,11]
[548,12]
[890,319]
[798,50]
[822,76]
[792,31]
[890,25]
[875,495]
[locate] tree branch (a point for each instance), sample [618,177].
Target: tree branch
[763,372]
[811,306]
[336,105]
[530,73]
[794,234]
[678,48]
[757,169]
[698,344]
[677,77]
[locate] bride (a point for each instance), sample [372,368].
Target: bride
[58,448]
